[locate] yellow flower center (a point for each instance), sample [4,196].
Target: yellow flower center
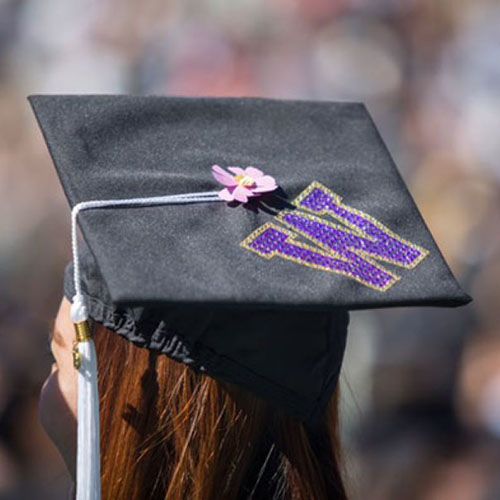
[244,180]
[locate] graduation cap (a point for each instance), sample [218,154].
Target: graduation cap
[234,234]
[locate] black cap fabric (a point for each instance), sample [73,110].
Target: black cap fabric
[341,232]
[123,147]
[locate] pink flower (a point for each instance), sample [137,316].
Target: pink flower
[243,184]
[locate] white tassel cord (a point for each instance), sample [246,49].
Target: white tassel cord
[88,476]
[175,199]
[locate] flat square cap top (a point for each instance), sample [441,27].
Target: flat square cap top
[348,234]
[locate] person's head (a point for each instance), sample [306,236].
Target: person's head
[254,295]
[168,432]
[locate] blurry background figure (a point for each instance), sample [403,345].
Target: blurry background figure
[421,391]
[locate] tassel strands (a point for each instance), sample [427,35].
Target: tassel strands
[88,480]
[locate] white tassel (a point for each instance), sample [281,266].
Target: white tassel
[88,479]
[88,476]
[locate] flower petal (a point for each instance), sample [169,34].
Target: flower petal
[265,184]
[226,195]
[225,178]
[253,172]
[241,193]
[236,170]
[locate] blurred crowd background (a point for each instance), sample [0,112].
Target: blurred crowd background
[421,388]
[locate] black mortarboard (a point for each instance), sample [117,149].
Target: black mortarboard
[254,293]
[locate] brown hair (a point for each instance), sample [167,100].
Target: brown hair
[170,433]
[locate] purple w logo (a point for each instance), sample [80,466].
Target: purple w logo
[351,249]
